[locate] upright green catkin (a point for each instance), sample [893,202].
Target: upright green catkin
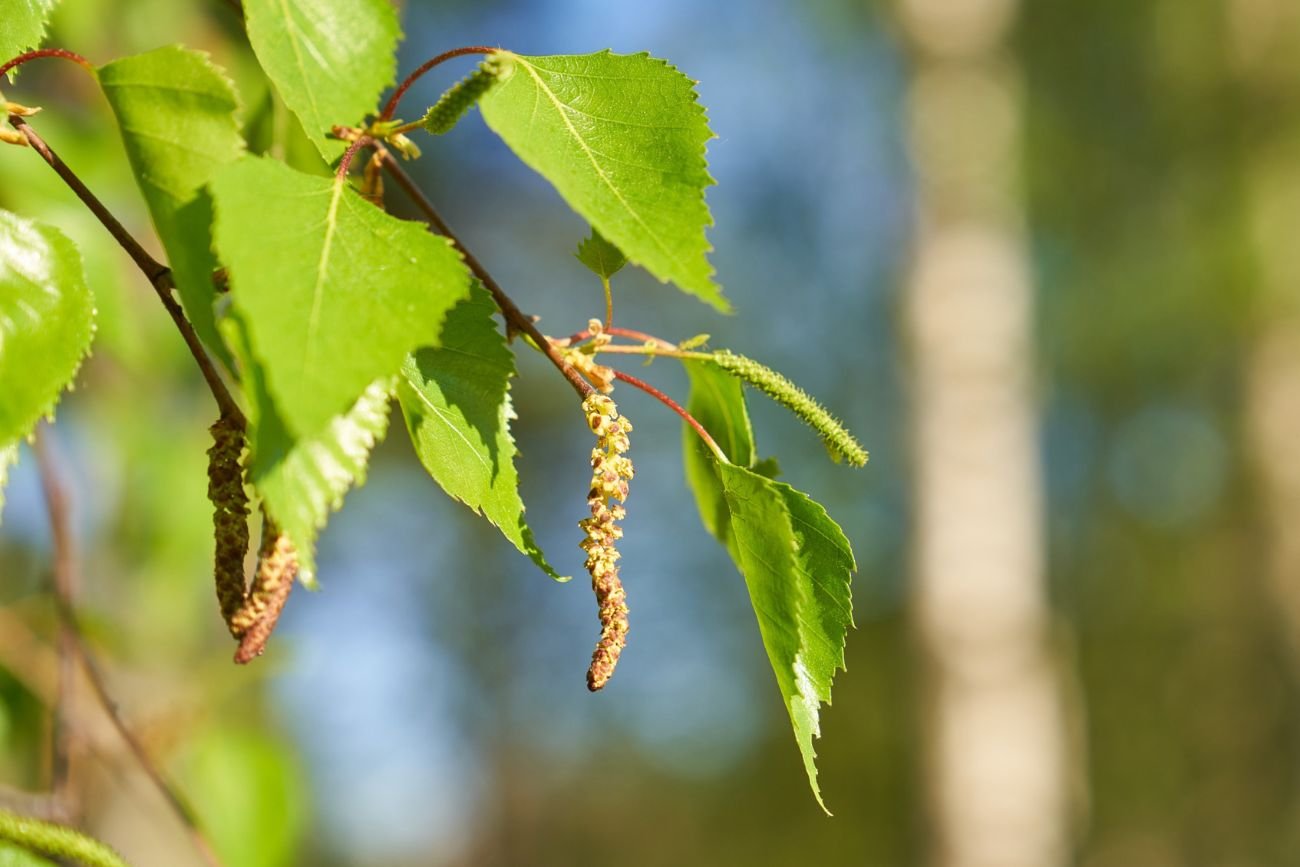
[453,104]
[229,516]
[611,471]
[839,442]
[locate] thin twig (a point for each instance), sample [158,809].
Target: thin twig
[158,274]
[516,319]
[57,504]
[64,586]
[677,408]
[345,164]
[391,107]
[47,52]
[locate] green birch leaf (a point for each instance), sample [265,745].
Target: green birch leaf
[334,291]
[456,399]
[329,59]
[303,478]
[22,26]
[47,319]
[176,112]
[603,258]
[797,564]
[718,403]
[621,137]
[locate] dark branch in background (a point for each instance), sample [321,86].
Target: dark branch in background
[57,504]
[516,319]
[390,108]
[158,274]
[64,586]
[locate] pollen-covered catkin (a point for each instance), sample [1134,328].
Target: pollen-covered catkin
[229,516]
[611,470]
[277,567]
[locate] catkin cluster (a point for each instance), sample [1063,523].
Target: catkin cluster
[250,612]
[611,470]
[230,515]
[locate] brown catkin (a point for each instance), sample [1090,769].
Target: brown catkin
[611,471]
[277,567]
[229,516]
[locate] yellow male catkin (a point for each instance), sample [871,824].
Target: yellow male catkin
[611,470]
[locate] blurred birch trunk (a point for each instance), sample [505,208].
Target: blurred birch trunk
[996,747]
[1264,36]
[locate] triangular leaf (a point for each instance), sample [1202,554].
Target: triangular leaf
[329,59]
[797,564]
[621,137]
[23,26]
[334,291]
[457,405]
[302,478]
[177,115]
[603,258]
[46,321]
[718,403]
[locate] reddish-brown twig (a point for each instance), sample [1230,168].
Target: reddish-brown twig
[47,52]
[675,407]
[516,319]
[390,108]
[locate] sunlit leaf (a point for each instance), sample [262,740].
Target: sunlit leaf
[22,26]
[329,59]
[797,564]
[176,112]
[456,400]
[46,322]
[334,291]
[621,137]
[718,403]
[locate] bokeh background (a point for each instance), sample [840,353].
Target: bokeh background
[1042,258]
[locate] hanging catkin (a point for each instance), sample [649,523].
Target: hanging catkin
[277,567]
[229,516]
[610,472]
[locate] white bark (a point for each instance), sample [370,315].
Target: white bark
[996,741]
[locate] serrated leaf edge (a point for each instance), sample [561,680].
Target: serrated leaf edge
[711,294]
